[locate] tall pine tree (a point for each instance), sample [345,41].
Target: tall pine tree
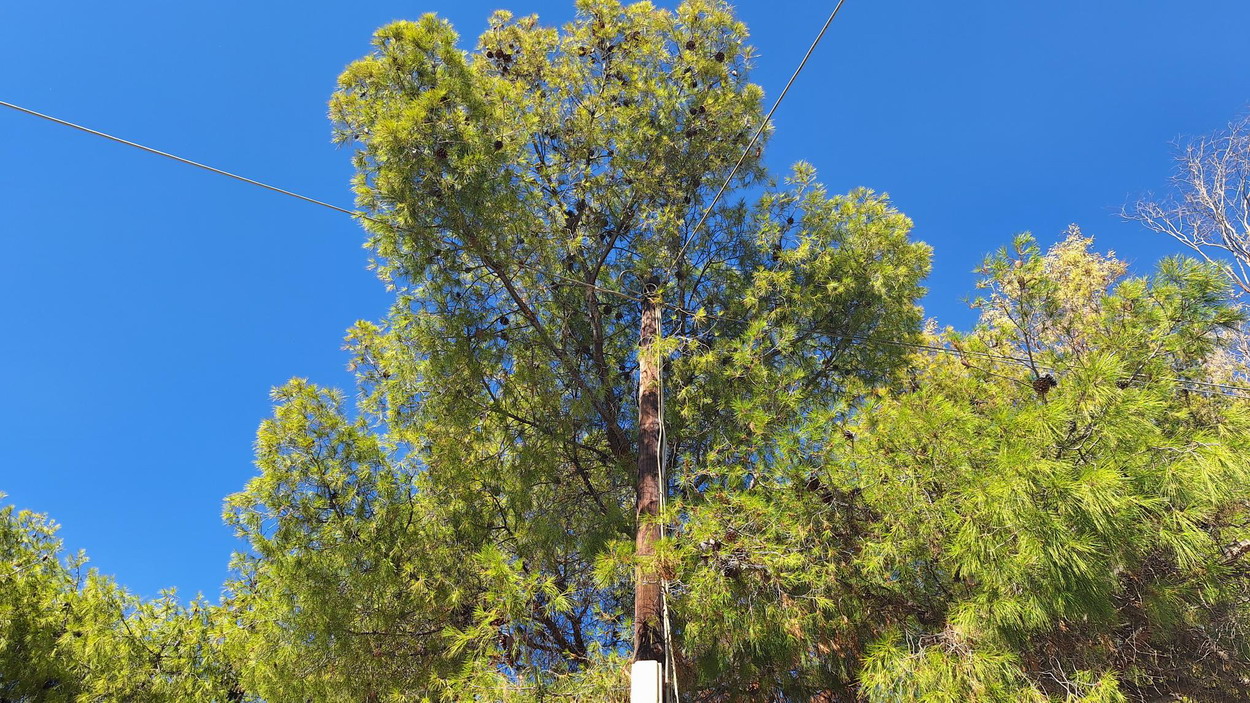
[1051,507]
[471,533]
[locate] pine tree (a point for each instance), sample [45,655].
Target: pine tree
[1050,507]
[471,532]
[67,633]
[1068,523]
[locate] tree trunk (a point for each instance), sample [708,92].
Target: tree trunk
[648,636]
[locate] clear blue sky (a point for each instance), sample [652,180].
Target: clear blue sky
[148,307]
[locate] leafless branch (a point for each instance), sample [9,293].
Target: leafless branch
[1209,208]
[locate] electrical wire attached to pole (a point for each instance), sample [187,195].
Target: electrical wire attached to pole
[670,667]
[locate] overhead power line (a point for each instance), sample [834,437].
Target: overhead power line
[1230,390]
[266,186]
[283,191]
[179,159]
[759,130]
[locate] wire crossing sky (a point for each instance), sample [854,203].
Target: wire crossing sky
[179,159]
[151,306]
[755,138]
[1220,387]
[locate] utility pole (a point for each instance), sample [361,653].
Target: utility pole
[645,685]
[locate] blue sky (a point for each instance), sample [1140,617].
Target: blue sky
[148,307]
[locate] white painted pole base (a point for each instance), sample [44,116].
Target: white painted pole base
[644,682]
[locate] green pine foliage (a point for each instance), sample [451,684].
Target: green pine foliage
[68,634]
[1078,541]
[470,535]
[1050,507]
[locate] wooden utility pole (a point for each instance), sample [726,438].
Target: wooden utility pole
[648,629]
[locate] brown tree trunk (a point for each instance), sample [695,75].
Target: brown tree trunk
[648,636]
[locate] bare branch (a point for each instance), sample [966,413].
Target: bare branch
[1209,209]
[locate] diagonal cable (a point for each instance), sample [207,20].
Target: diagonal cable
[179,159]
[276,189]
[760,130]
[866,340]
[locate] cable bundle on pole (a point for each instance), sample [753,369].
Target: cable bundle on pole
[670,666]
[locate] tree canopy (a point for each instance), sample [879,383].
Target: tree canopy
[520,199]
[858,505]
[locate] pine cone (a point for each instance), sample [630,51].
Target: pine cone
[1043,384]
